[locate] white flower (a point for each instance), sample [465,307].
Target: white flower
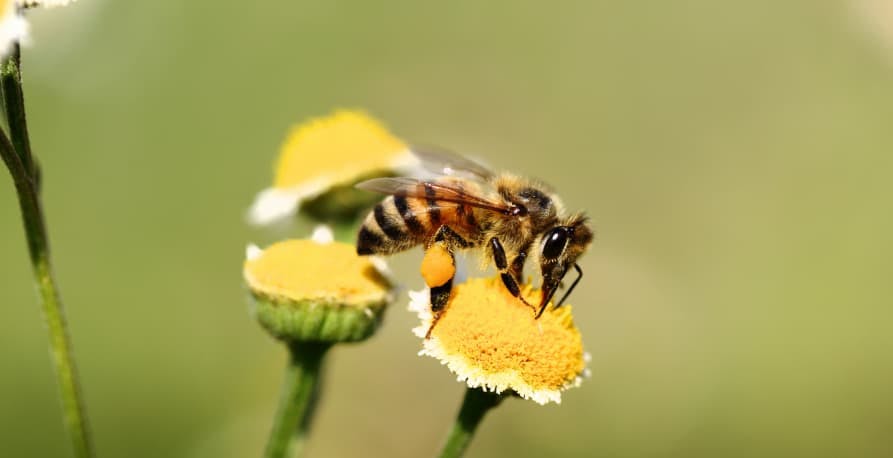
[491,340]
[304,290]
[324,154]
[13,27]
[43,3]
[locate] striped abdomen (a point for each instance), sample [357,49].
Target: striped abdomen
[399,223]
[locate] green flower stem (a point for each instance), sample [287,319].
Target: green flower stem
[475,405]
[14,103]
[293,417]
[26,176]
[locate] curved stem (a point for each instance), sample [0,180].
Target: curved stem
[475,405]
[293,417]
[17,156]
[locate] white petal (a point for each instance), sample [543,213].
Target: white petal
[322,234]
[252,252]
[419,302]
[273,204]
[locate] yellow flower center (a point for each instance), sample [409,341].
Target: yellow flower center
[303,269]
[336,148]
[493,336]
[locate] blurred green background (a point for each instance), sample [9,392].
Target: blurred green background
[735,158]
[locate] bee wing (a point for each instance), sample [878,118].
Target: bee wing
[448,192]
[446,162]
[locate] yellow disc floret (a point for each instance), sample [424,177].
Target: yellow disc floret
[491,339]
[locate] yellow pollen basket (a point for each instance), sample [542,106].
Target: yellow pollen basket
[490,337]
[335,149]
[437,266]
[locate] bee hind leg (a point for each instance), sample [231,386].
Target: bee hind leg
[440,295]
[449,240]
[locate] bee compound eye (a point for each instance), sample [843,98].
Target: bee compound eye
[554,242]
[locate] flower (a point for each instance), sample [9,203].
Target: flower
[13,27]
[320,162]
[43,3]
[307,290]
[491,340]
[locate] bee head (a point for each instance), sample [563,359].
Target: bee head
[559,249]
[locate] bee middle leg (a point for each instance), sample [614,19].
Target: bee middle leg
[510,275]
[449,240]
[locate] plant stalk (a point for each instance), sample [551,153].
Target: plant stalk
[294,414]
[16,152]
[14,104]
[475,405]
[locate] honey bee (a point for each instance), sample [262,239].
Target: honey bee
[468,206]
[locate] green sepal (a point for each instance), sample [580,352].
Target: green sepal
[343,203]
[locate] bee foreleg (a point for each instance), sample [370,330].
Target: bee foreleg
[517,266]
[508,276]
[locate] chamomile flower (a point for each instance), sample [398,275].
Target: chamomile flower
[43,3]
[13,27]
[322,159]
[316,290]
[491,340]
